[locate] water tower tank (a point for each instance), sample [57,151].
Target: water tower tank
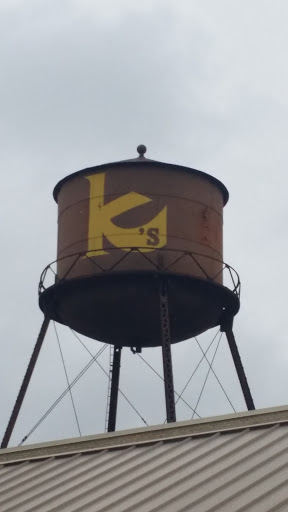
[125,227]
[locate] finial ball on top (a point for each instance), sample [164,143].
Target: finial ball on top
[141,150]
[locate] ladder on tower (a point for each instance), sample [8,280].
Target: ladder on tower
[109,387]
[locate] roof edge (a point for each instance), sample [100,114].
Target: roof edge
[139,162]
[143,435]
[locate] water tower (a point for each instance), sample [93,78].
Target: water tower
[140,262]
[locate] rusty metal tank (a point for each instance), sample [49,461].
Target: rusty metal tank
[123,228]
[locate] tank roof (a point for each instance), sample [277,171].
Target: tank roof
[140,161]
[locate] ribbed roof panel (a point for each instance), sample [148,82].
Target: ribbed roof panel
[242,470]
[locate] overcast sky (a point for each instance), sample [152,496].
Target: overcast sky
[202,83]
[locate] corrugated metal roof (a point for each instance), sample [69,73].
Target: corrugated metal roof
[244,469]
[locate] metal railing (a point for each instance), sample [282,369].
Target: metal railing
[229,275]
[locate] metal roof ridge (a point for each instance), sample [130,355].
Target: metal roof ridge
[144,435]
[123,446]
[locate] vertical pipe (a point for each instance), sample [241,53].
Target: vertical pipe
[25,383]
[114,389]
[166,354]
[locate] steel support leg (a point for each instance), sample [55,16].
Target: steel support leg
[25,383]
[166,354]
[227,328]
[114,389]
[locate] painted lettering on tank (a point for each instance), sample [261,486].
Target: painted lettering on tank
[148,237]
